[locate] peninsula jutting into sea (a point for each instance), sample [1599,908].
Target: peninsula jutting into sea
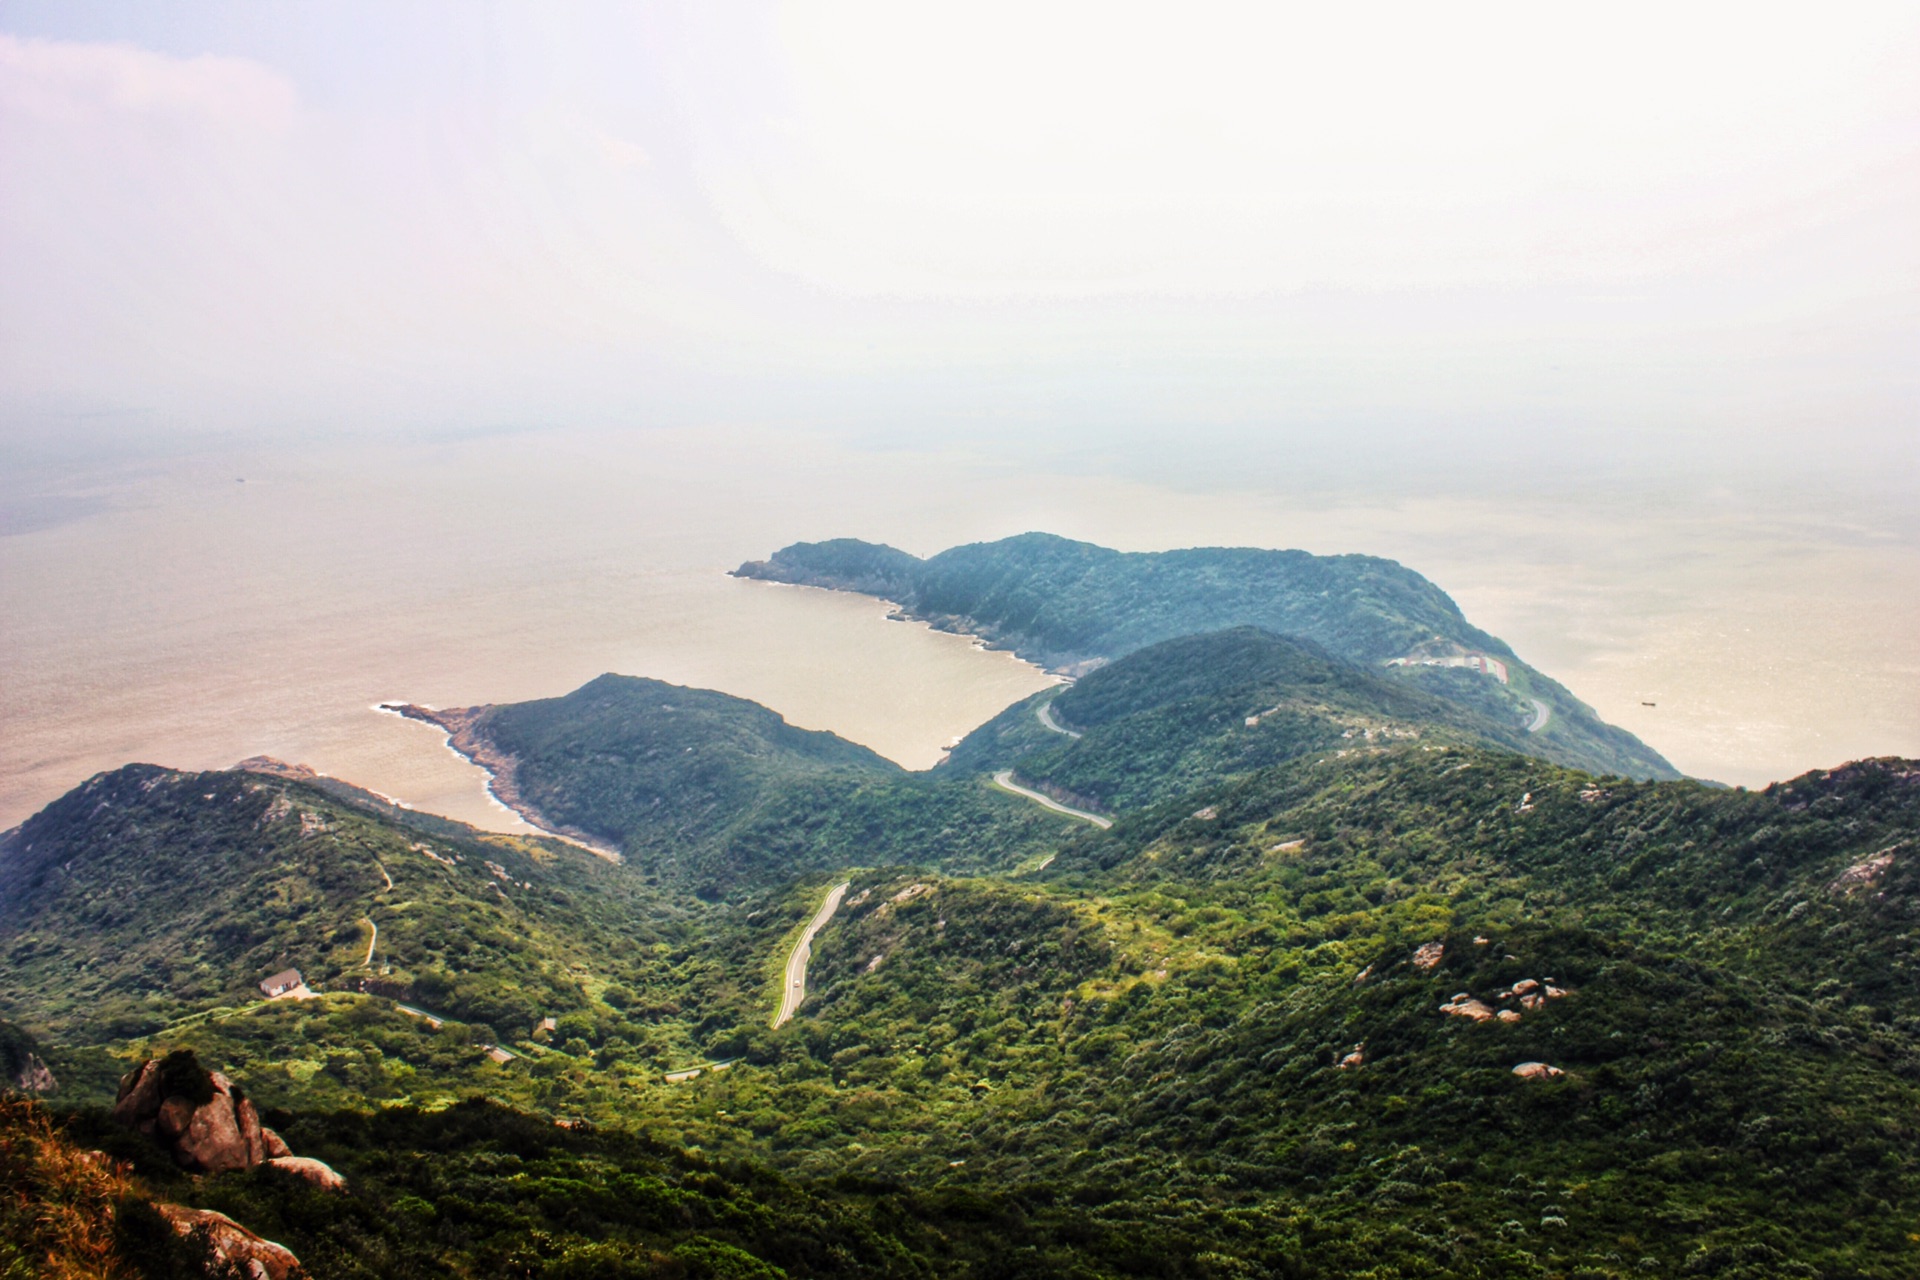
[1273,933]
[743,641]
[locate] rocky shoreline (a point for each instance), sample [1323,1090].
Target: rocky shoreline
[470,742]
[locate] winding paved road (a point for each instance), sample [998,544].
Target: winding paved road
[1541,714]
[793,986]
[1004,780]
[1045,712]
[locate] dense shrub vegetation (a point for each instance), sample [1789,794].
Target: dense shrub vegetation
[1266,1025]
[1188,712]
[716,793]
[1072,605]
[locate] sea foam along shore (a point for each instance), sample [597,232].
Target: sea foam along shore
[458,724]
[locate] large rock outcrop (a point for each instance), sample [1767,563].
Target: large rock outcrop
[32,1076]
[21,1067]
[232,1245]
[201,1116]
[207,1121]
[306,1168]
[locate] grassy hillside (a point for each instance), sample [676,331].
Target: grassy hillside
[1072,605]
[148,895]
[627,757]
[1130,1063]
[718,794]
[1182,713]
[1166,1014]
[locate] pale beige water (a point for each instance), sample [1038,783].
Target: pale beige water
[1769,642]
[212,620]
[197,620]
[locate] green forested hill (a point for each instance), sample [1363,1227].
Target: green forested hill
[147,895]
[1254,1029]
[711,792]
[1167,1012]
[1071,605]
[655,722]
[1363,979]
[628,757]
[1177,715]
[1064,601]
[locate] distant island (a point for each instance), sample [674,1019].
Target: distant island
[1072,606]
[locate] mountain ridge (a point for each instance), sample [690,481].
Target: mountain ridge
[1280,1001]
[1167,717]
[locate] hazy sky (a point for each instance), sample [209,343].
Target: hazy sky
[1606,317]
[1565,237]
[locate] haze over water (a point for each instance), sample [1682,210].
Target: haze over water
[191,619]
[522,325]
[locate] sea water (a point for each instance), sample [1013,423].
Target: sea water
[229,601]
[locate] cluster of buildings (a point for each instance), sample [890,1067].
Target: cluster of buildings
[1480,662]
